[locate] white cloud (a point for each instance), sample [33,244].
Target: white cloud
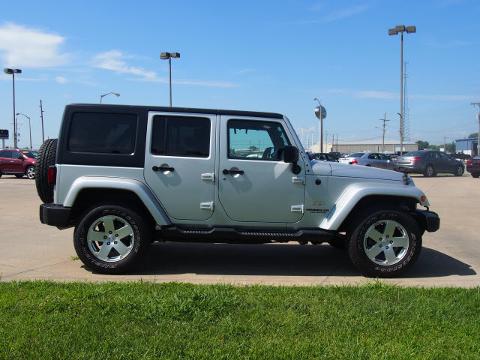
[344,13]
[374,94]
[61,80]
[114,60]
[21,46]
[389,95]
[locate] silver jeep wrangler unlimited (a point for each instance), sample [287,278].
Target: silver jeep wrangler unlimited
[126,176]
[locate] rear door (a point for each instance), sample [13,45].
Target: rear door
[255,184]
[180,163]
[5,161]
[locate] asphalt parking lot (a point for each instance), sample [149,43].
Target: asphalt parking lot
[450,257]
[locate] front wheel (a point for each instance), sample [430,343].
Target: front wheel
[475,175]
[110,239]
[385,243]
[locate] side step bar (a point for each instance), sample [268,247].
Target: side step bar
[240,235]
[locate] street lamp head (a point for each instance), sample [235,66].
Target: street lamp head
[392,32]
[400,28]
[116,94]
[169,55]
[411,29]
[12,71]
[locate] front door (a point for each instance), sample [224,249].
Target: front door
[255,184]
[180,163]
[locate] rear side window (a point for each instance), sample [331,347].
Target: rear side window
[6,154]
[102,133]
[184,136]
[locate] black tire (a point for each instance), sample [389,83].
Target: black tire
[356,249]
[142,239]
[46,158]
[429,171]
[19,176]
[459,170]
[475,175]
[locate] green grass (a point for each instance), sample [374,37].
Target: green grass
[43,320]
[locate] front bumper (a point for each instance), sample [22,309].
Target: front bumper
[428,219]
[55,215]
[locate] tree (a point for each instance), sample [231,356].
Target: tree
[473,136]
[422,145]
[451,148]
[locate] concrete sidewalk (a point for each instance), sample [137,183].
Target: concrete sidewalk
[451,257]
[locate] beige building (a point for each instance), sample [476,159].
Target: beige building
[373,146]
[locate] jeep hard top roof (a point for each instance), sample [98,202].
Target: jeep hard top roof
[173,109]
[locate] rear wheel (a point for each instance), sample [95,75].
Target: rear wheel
[429,171]
[475,175]
[459,171]
[110,239]
[385,243]
[30,172]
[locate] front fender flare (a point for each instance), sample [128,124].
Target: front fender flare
[134,186]
[352,195]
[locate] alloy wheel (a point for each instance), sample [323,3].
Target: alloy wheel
[31,173]
[110,238]
[386,242]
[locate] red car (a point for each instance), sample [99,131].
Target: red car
[473,166]
[14,162]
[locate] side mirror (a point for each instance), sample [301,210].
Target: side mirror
[290,154]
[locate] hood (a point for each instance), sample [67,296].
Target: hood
[354,171]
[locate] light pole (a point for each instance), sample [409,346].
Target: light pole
[12,72]
[169,56]
[384,127]
[320,113]
[110,93]
[29,127]
[477,104]
[400,29]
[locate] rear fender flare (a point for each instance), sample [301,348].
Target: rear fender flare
[144,193]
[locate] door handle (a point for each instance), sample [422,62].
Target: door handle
[233,171]
[163,167]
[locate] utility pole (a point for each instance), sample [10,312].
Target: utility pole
[384,129]
[444,144]
[41,118]
[477,104]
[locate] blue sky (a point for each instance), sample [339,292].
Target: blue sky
[252,55]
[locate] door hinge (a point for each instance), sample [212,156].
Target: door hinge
[206,205]
[298,180]
[297,208]
[208,177]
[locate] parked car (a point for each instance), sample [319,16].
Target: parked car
[335,155]
[351,158]
[323,157]
[14,162]
[126,176]
[378,160]
[429,163]
[32,154]
[473,166]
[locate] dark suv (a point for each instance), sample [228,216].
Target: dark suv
[429,163]
[14,162]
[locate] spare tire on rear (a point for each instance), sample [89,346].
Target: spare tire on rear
[46,158]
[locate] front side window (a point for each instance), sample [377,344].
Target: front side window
[183,136]
[104,133]
[256,140]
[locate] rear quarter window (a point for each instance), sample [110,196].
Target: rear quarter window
[102,133]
